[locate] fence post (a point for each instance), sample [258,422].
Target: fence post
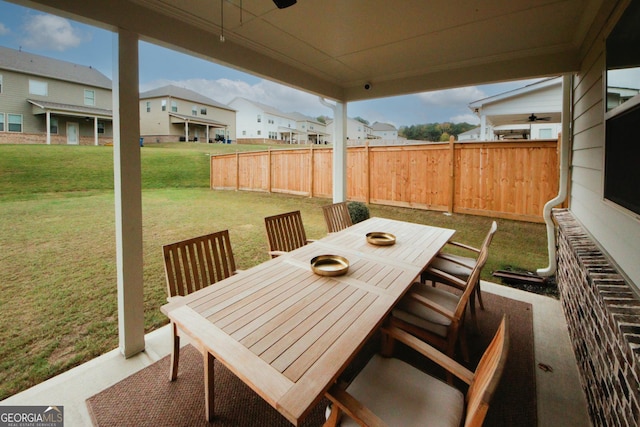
[269,169]
[452,174]
[368,172]
[237,170]
[311,171]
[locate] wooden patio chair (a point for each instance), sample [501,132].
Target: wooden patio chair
[436,315]
[285,232]
[193,264]
[390,392]
[460,267]
[337,216]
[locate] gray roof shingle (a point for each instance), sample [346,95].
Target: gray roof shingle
[182,93]
[29,63]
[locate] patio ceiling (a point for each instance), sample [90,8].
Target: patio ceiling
[333,47]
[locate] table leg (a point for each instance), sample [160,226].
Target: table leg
[208,386]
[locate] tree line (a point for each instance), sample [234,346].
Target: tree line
[434,131]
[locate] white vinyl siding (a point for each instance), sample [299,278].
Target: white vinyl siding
[616,231]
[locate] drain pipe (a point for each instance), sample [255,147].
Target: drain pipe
[565,147]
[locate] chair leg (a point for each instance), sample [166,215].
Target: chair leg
[387,345]
[175,353]
[334,416]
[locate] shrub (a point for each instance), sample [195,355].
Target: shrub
[358,211]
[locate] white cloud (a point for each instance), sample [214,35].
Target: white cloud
[3,29]
[466,118]
[49,32]
[452,97]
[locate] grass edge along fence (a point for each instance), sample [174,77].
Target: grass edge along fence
[500,179]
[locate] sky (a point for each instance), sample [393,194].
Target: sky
[60,38]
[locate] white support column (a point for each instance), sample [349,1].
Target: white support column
[95,131]
[128,192]
[483,127]
[48,119]
[186,131]
[340,153]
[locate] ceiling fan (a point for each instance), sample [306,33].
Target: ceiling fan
[534,118]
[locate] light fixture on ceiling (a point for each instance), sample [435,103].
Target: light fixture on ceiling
[222,21]
[284,3]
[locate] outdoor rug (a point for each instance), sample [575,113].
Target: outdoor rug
[148,398]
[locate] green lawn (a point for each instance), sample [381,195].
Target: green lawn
[57,234]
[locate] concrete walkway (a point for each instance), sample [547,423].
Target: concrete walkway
[561,401]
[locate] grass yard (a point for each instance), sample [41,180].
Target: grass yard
[57,233]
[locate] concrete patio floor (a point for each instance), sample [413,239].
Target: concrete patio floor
[560,399]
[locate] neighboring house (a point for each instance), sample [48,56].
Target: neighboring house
[470,136]
[261,123]
[172,113]
[315,131]
[47,101]
[531,112]
[357,131]
[384,131]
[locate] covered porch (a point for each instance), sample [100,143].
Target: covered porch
[437,46]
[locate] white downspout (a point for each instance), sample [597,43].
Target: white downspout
[565,147]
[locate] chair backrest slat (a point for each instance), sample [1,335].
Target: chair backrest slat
[285,232]
[337,216]
[487,376]
[195,263]
[472,282]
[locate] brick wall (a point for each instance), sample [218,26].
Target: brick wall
[40,138]
[603,315]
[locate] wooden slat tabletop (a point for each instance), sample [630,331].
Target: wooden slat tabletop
[287,332]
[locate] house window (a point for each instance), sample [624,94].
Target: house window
[621,172]
[100,127]
[542,134]
[174,106]
[89,97]
[164,105]
[1,122]
[203,111]
[259,132]
[270,121]
[244,133]
[0,83]
[53,125]
[14,122]
[259,118]
[37,87]
[148,104]
[194,110]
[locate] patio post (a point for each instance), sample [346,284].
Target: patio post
[340,153]
[128,192]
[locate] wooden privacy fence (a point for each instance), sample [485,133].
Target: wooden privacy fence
[499,179]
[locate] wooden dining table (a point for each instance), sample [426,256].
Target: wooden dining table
[288,332]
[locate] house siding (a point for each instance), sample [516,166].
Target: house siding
[598,271]
[157,127]
[616,231]
[13,100]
